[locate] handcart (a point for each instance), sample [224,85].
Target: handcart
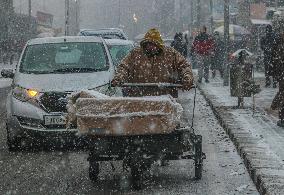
[139,150]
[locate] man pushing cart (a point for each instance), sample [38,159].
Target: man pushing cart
[143,126]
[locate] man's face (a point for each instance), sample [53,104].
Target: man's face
[151,47]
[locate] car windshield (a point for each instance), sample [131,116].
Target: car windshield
[64,58]
[118,52]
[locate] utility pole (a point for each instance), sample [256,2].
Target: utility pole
[67,7]
[211,17]
[276,4]
[198,13]
[226,41]
[30,16]
[181,15]
[77,12]
[119,13]
[30,8]
[191,16]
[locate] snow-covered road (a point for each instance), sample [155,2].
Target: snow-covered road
[66,172]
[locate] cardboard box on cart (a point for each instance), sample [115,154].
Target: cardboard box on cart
[127,116]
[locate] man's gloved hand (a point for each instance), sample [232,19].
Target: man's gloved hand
[187,87]
[187,84]
[115,83]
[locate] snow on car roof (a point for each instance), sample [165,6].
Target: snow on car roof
[260,22]
[118,42]
[64,39]
[110,29]
[102,31]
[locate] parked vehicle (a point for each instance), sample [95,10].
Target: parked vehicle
[49,70]
[168,42]
[119,49]
[106,33]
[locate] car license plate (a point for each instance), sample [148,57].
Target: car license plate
[54,120]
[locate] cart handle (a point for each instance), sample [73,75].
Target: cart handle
[159,85]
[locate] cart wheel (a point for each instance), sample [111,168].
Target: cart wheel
[198,171]
[136,174]
[198,158]
[94,170]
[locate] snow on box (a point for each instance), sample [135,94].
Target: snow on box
[97,114]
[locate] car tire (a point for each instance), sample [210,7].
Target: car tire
[137,178]
[94,170]
[13,144]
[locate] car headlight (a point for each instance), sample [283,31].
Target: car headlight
[23,94]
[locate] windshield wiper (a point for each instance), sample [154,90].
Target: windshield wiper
[75,70]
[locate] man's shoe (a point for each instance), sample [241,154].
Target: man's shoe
[280,123]
[199,81]
[207,81]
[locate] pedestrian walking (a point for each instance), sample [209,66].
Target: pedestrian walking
[203,48]
[267,43]
[179,45]
[218,57]
[277,70]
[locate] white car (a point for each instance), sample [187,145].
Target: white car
[49,70]
[106,33]
[119,49]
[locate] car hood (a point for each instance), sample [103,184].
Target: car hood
[62,82]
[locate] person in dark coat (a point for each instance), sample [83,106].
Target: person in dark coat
[218,57]
[267,43]
[277,71]
[179,45]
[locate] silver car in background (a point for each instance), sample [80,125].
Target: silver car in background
[119,49]
[49,70]
[105,33]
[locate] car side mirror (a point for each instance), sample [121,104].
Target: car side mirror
[7,73]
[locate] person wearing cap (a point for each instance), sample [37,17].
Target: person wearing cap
[153,62]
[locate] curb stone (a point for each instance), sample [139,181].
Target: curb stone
[266,170]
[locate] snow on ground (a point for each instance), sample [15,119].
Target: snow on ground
[260,141]
[66,172]
[262,122]
[222,93]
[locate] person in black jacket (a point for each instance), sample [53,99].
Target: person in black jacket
[218,56]
[179,45]
[267,43]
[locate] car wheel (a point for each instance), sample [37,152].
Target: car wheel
[94,170]
[14,144]
[137,177]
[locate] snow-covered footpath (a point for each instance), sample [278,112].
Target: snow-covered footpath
[258,139]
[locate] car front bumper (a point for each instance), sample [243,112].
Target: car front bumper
[26,120]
